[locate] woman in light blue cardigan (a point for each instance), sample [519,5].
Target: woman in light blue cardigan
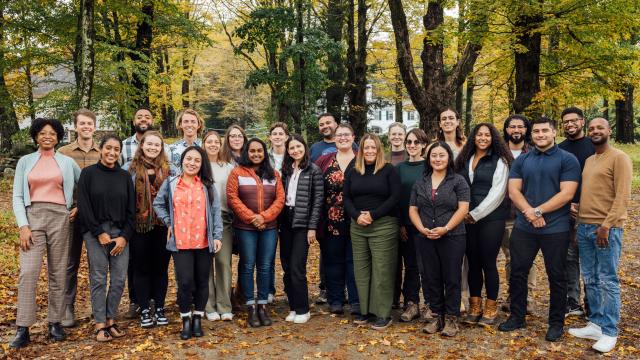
[42,204]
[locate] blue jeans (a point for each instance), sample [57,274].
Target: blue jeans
[257,251]
[600,272]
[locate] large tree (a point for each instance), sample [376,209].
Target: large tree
[8,118]
[84,55]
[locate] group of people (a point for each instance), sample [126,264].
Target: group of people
[430,214]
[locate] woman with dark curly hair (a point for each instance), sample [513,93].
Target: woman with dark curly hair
[42,199]
[484,163]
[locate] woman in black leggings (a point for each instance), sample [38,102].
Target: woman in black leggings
[484,163]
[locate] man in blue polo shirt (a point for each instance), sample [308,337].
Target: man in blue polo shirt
[542,183]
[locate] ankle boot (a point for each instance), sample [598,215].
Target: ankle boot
[434,325]
[450,326]
[196,324]
[475,311]
[490,313]
[185,334]
[21,339]
[56,333]
[252,316]
[263,316]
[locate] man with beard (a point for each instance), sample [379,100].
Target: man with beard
[542,183]
[327,126]
[579,145]
[606,181]
[517,134]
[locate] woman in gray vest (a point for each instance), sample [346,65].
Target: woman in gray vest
[484,163]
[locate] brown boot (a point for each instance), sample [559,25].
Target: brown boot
[475,312]
[411,312]
[434,324]
[490,313]
[450,326]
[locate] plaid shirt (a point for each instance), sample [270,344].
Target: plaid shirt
[129,147]
[176,149]
[81,157]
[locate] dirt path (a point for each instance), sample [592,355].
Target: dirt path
[324,336]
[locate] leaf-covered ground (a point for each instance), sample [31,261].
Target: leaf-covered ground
[324,336]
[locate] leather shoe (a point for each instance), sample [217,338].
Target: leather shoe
[21,339]
[512,324]
[196,322]
[185,334]
[554,333]
[56,332]
[263,316]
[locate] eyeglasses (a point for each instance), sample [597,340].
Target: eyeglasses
[571,121]
[236,136]
[343,135]
[413,142]
[518,127]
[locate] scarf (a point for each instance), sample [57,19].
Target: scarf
[145,194]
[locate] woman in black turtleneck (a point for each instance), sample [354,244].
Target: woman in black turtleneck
[371,192]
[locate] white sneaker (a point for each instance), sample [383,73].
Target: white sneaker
[291,316]
[214,316]
[591,331]
[226,317]
[301,319]
[605,344]
[271,298]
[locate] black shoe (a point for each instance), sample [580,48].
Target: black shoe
[573,308]
[336,309]
[361,319]
[322,297]
[160,318]
[355,309]
[381,323]
[146,320]
[56,333]
[185,334]
[554,333]
[21,339]
[252,316]
[512,324]
[263,316]
[196,324]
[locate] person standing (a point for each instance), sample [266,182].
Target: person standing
[581,147]
[410,171]
[85,151]
[335,239]
[450,130]
[256,197]
[484,163]
[542,183]
[149,168]
[606,181]
[190,124]
[517,134]
[397,154]
[371,193]
[234,140]
[190,208]
[43,188]
[219,303]
[304,195]
[106,208]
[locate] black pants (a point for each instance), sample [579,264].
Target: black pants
[75,254]
[192,275]
[151,261]
[442,263]
[294,250]
[524,247]
[131,282]
[483,244]
[410,285]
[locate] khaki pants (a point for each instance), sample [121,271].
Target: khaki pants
[220,274]
[49,224]
[532,278]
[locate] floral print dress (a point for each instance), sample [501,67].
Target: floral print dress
[336,222]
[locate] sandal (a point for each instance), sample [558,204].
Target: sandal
[115,331]
[103,335]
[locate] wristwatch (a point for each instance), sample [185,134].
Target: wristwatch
[537,212]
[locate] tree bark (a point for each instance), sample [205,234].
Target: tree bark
[86,54]
[142,55]
[625,117]
[468,108]
[398,97]
[8,118]
[527,62]
[605,111]
[166,108]
[357,67]
[335,67]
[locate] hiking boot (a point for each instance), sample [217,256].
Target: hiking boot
[425,313]
[490,313]
[411,312]
[475,311]
[450,326]
[434,325]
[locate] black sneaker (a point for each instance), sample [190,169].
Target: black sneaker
[160,318]
[512,324]
[145,318]
[322,297]
[360,319]
[336,309]
[554,333]
[381,323]
[573,308]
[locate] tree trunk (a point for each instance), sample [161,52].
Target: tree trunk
[30,104]
[605,106]
[302,100]
[142,55]
[468,108]
[357,68]
[398,97]
[335,66]
[186,79]
[166,108]
[625,117]
[527,63]
[8,118]
[86,54]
